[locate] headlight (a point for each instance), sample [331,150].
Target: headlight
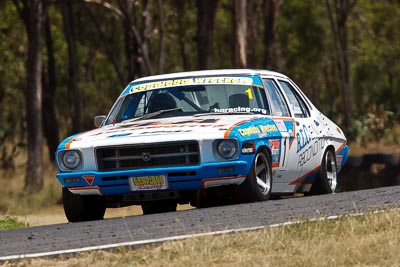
[227,148]
[71,159]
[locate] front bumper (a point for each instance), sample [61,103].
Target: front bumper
[179,178]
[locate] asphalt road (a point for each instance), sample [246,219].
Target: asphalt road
[66,238]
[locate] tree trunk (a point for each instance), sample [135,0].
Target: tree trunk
[272,49]
[161,42]
[181,7]
[137,41]
[253,14]
[131,44]
[338,20]
[206,10]
[146,35]
[240,26]
[34,16]
[108,47]
[50,121]
[73,68]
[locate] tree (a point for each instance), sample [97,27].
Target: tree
[338,14]
[206,10]
[136,38]
[301,42]
[31,13]
[108,47]
[240,26]
[253,33]
[73,67]
[50,121]
[272,50]
[161,42]
[181,33]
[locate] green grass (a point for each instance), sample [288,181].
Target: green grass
[10,223]
[368,240]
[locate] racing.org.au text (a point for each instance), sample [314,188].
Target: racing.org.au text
[241,109]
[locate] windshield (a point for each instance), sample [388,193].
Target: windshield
[142,101]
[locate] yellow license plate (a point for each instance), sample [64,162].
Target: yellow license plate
[144,183]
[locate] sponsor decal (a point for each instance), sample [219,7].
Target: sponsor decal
[241,109]
[249,131]
[275,146]
[260,129]
[268,128]
[159,84]
[311,152]
[190,81]
[224,80]
[303,138]
[248,148]
[281,126]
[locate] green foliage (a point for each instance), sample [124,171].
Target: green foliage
[376,69]
[306,54]
[375,126]
[224,35]
[306,57]
[12,85]
[9,223]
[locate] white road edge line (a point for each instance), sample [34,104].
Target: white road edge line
[172,238]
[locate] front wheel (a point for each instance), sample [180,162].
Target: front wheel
[258,184]
[80,208]
[326,181]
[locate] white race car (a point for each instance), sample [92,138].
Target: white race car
[189,137]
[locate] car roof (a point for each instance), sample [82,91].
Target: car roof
[218,72]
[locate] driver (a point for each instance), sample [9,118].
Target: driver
[161,101]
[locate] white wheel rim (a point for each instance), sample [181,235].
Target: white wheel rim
[331,170]
[262,172]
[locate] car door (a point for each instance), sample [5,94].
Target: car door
[285,122]
[306,154]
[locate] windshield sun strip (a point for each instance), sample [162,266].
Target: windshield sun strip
[203,80]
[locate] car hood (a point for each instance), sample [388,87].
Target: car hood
[159,130]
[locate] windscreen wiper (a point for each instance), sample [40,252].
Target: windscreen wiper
[223,113]
[153,114]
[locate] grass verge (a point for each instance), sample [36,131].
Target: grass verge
[367,240]
[11,223]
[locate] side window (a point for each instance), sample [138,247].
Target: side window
[278,104]
[299,107]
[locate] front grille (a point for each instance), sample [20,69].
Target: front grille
[146,156]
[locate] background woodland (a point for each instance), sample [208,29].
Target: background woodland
[64,61]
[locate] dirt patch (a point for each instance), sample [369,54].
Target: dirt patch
[55,215]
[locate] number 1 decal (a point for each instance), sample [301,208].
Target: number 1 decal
[249,93]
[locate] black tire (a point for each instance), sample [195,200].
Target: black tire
[79,208]
[158,207]
[258,184]
[326,180]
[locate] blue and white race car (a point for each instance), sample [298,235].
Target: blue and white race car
[193,136]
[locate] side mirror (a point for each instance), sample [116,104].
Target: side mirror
[98,120]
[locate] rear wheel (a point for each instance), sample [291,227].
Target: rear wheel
[326,181]
[80,208]
[158,207]
[258,184]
